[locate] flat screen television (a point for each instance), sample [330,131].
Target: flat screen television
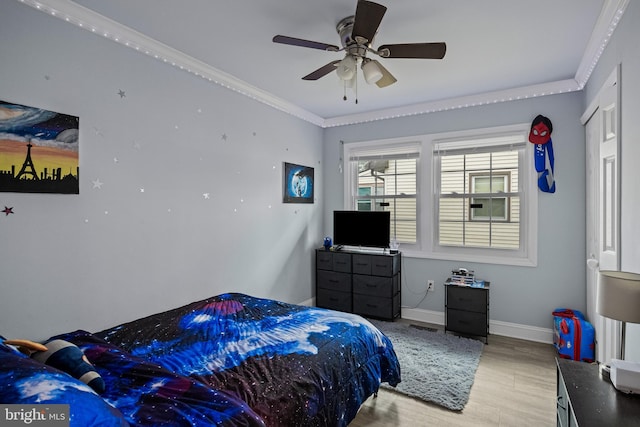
[361,228]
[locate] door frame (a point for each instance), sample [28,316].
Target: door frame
[608,332]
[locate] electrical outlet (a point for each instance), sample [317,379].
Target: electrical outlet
[430,285]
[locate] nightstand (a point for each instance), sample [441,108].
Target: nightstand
[467,309]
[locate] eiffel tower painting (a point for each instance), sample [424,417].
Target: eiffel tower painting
[27,166]
[46,143]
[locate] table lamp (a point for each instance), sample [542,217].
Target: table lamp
[618,297]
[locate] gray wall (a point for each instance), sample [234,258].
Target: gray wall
[112,254]
[521,295]
[623,49]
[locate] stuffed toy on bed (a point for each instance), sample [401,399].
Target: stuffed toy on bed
[64,356]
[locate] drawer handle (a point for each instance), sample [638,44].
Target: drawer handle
[370,285]
[361,263]
[381,265]
[333,299]
[334,281]
[560,404]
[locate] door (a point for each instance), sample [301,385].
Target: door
[603,236]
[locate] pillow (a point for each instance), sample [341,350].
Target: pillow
[25,381]
[69,358]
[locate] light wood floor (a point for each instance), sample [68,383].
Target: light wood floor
[515,385]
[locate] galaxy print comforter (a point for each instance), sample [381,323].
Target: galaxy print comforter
[231,360]
[291,365]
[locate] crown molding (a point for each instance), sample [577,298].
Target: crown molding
[610,16]
[82,17]
[100,25]
[485,98]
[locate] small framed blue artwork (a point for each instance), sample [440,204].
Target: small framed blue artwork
[298,184]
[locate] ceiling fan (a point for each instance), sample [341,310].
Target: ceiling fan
[357,33]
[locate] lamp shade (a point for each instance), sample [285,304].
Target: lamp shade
[346,68]
[618,296]
[371,71]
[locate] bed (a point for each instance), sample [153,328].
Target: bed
[232,359]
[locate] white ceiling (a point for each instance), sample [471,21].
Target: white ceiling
[496,50]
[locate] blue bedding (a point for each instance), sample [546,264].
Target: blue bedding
[234,359]
[230,360]
[292,365]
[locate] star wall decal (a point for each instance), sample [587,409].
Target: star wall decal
[206,195]
[224,136]
[121,93]
[97,184]
[7,211]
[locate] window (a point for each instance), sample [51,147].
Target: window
[481,185]
[489,208]
[384,177]
[475,204]
[466,196]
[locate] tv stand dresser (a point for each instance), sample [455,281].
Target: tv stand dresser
[360,282]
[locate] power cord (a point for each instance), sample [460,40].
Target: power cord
[426,292]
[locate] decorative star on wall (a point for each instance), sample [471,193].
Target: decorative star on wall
[7,211]
[121,93]
[206,195]
[224,136]
[97,184]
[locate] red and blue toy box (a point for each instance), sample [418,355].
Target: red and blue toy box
[573,336]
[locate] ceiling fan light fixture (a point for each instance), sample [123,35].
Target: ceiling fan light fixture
[372,73]
[346,69]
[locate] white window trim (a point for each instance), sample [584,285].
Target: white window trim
[351,173]
[426,224]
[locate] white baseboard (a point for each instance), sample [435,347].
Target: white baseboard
[496,327]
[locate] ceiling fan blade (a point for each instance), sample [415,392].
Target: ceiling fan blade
[367,20]
[322,71]
[387,78]
[413,50]
[305,43]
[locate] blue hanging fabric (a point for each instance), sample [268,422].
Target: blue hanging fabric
[544,162]
[540,136]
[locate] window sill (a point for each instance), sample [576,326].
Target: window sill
[462,257]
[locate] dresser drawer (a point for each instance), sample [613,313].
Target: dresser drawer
[375,285]
[324,260]
[334,280]
[342,262]
[376,265]
[465,298]
[334,300]
[371,306]
[467,322]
